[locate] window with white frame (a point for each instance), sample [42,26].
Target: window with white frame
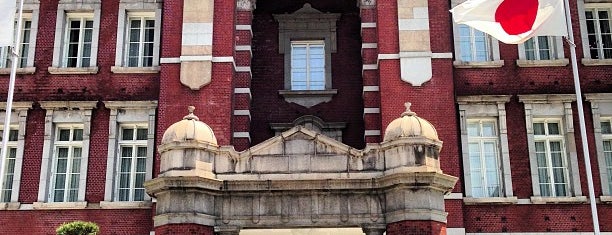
[130,153]
[78,40]
[598,32]
[474,45]
[307,65]
[484,158]
[5,52]
[67,160]
[552,149]
[484,140]
[63,172]
[133,156]
[551,159]
[606,136]
[6,189]
[140,39]
[76,37]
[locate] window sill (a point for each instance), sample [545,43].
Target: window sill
[559,200]
[119,69]
[596,62]
[9,206]
[489,200]
[59,205]
[126,205]
[542,63]
[484,64]
[26,70]
[68,71]
[605,199]
[308,98]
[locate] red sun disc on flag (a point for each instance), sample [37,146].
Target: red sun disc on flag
[516,16]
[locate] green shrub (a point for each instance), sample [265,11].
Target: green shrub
[78,228]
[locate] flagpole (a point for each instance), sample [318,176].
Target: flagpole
[583,136]
[9,100]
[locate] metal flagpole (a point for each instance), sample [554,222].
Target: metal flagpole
[583,136]
[9,100]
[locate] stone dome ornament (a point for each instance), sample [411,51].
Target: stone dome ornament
[189,129]
[410,125]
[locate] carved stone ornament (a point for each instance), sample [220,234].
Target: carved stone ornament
[245,5]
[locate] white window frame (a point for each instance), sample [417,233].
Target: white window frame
[494,62]
[582,7]
[134,144]
[30,13]
[83,18]
[123,113]
[71,144]
[18,121]
[491,108]
[557,56]
[601,108]
[553,106]
[547,138]
[11,144]
[128,9]
[308,44]
[66,10]
[61,113]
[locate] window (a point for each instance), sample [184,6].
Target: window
[138,37]
[132,163]
[539,48]
[130,153]
[9,167]
[552,149]
[542,51]
[141,34]
[483,153]
[63,172]
[606,135]
[78,41]
[68,153]
[598,33]
[307,65]
[5,52]
[484,143]
[551,161]
[475,45]
[76,37]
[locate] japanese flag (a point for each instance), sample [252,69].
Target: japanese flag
[7,21]
[513,21]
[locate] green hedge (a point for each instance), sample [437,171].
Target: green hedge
[78,228]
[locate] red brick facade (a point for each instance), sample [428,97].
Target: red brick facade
[216,105]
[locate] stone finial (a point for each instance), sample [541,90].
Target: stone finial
[408,112]
[191,116]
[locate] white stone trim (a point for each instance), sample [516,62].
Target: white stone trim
[557,200]
[368,25]
[441,55]
[413,24]
[68,112]
[242,135]
[189,58]
[601,107]
[542,63]
[388,56]
[243,47]
[246,27]
[540,233]
[242,91]
[59,205]
[246,69]
[371,110]
[369,45]
[486,107]
[554,106]
[196,34]
[453,196]
[31,11]
[455,231]
[595,62]
[126,205]
[125,10]
[64,8]
[19,116]
[371,88]
[370,66]
[371,133]
[223,59]
[170,60]
[127,112]
[242,112]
